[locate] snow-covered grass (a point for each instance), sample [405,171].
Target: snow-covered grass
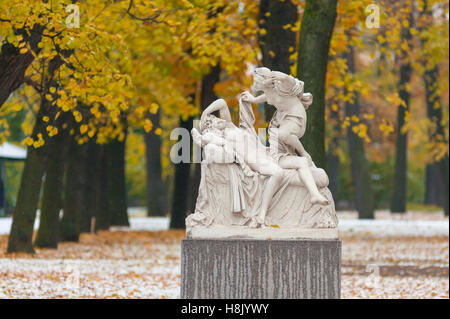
[147,265]
[104,265]
[137,223]
[390,257]
[146,224]
[378,227]
[92,278]
[419,228]
[395,287]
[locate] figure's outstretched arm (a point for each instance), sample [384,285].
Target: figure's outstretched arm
[248,97]
[260,99]
[221,106]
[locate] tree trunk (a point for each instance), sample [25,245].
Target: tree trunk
[207,97]
[92,185]
[48,233]
[436,184]
[364,203]
[279,42]
[437,188]
[102,218]
[116,185]
[181,188]
[74,191]
[444,165]
[156,195]
[2,188]
[315,35]
[432,189]
[13,64]
[398,202]
[437,174]
[21,236]
[333,161]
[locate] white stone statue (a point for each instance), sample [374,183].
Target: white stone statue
[250,190]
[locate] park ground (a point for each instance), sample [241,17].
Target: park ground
[391,257]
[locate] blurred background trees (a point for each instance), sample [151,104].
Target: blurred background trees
[95,103]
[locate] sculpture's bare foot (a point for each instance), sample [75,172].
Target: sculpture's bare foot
[261,219]
[319,199]
[253,223]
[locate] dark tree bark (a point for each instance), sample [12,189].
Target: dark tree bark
[21,236]
[48,233]
[2,188]
[92,185]
[333,161]
[279,42]
[364,202]
[181,190]
[315,35]
[398,202]
[75,180]
[333,174]
[102,218]
[13,64]
[207,97]
[437,175]
[156,195]
[24,215]
[445,172]
[432,189]
[116,185]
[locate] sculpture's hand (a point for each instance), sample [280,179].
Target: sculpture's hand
[196,136]
[248,97]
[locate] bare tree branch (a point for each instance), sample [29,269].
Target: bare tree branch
[149,19]
[33,84]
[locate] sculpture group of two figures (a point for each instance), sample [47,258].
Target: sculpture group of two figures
[250,190]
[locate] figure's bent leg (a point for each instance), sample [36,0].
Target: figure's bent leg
[276,174]
[301,164]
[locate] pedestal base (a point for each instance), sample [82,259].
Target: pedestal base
[249,269]
[244,232]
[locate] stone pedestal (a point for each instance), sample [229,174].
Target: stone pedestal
[249,268]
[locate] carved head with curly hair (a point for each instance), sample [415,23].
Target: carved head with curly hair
[213,124]
[281,84]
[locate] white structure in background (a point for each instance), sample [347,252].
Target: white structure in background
[8,152]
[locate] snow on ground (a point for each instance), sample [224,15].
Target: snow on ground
[360,287]
[147,265]
[106,278]
[378,227]
[390,257]
[105,265]
[419,228]
[5,225]
[146,223]
[136,223]
[62,278]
